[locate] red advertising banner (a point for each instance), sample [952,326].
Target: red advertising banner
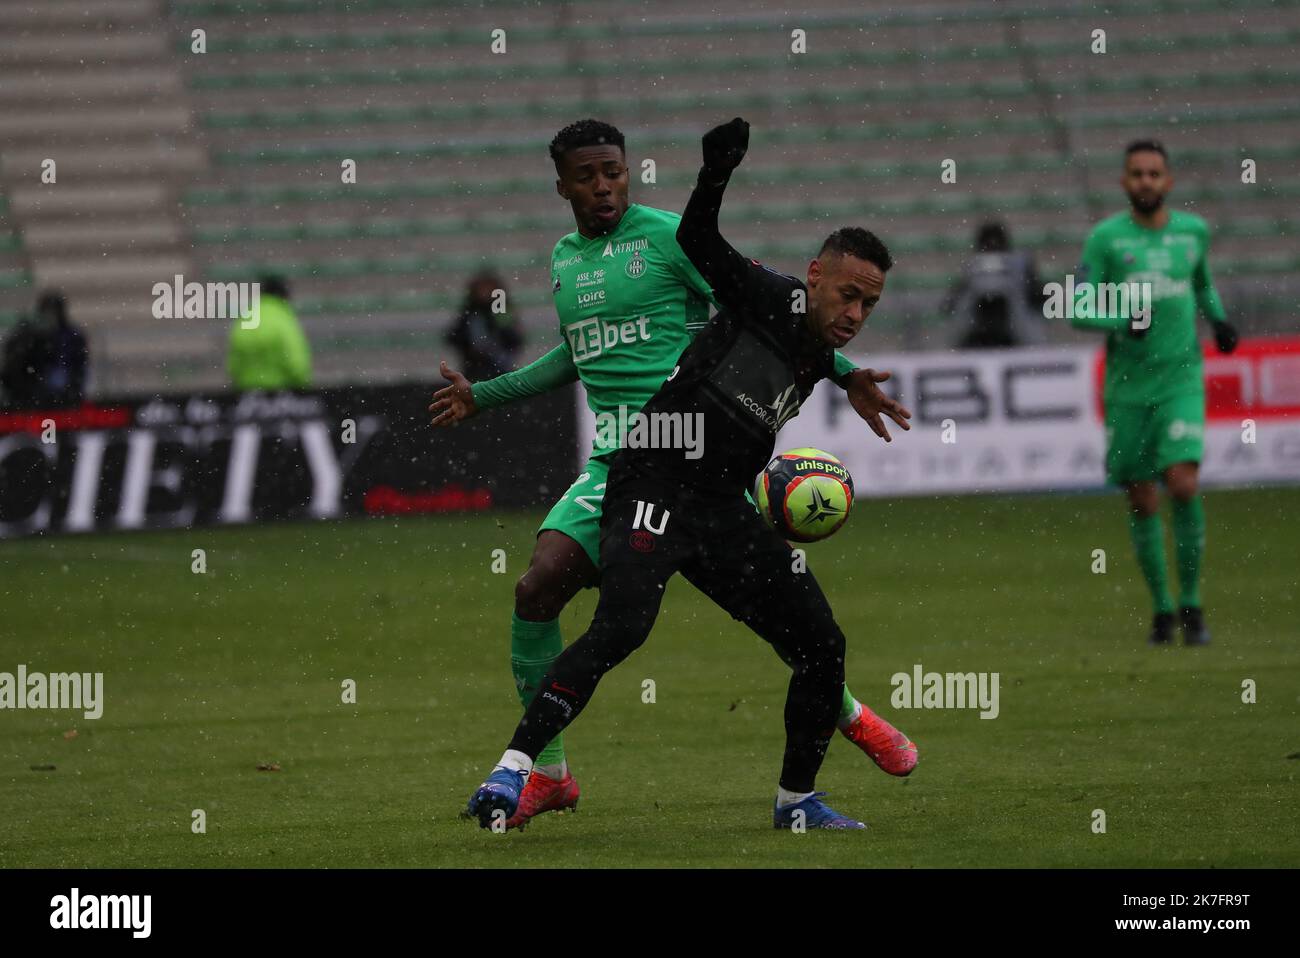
[1259,380]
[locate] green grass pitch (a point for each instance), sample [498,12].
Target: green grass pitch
[206,676]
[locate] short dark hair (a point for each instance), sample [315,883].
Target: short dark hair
[53,303]
[584,133]
[855,241]
[273,284]
[992,237]
[1145,146]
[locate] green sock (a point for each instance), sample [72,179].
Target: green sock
[848,705]
[1149,543]
[1189,544]
[533,647]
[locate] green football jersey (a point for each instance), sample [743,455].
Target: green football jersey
[1166,361]
[628,302]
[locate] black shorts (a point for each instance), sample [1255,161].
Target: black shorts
[651,529]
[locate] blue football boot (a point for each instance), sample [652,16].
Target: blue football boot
[816,814]
[499,792]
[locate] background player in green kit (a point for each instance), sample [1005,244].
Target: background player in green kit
[1154,393]
[629,302]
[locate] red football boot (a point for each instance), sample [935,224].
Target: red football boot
[544,794]
[889,748]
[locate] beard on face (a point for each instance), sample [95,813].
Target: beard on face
[1146,204]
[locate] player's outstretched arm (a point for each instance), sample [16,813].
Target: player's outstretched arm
[871,403]
[463,399]
[723,268]
[716,260]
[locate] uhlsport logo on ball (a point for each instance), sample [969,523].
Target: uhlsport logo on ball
[804,494]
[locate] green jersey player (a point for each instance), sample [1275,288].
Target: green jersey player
[1154,394]
[629,302]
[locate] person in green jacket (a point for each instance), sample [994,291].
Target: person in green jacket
[267,348]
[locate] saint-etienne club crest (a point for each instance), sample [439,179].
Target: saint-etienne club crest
[635,266]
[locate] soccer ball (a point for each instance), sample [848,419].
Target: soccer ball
[804,494]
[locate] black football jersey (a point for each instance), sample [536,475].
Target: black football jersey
[745,375]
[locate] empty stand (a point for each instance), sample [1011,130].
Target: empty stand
[223,164]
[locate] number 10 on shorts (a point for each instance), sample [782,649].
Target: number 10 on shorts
[645,518]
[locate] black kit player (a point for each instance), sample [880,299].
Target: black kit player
[774,339]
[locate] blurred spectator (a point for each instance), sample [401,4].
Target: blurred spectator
[19,374]
[488,341]
[268,349]
[65,353]
[44,360]
[999,293]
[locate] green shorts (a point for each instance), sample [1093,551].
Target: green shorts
[577,514]
[1143,441]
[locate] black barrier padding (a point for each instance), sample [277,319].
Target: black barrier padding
[179,461]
